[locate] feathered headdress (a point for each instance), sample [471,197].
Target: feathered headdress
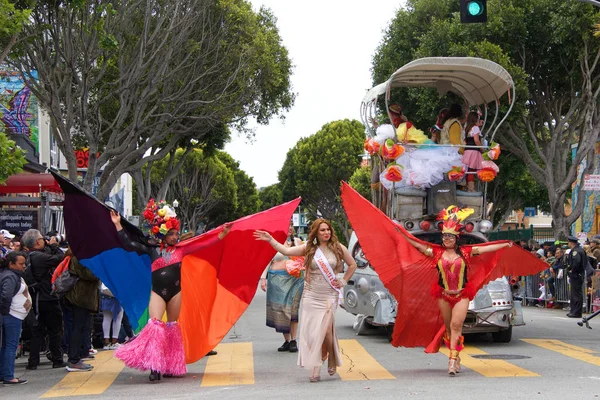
[160,218]
[452,218]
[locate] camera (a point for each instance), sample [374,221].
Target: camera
[59,238]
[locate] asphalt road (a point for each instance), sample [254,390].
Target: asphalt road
[549,358]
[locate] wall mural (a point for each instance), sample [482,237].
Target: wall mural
[18,107]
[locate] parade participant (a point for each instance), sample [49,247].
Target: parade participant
[283,296]
[159,346]
[472,158]
[452,130]
[576,263]
[15,303]
[409,267]
[322,291]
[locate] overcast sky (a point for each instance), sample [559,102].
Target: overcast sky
[331,43]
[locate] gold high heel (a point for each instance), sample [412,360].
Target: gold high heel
[457,364]
[453,363]
[316,374]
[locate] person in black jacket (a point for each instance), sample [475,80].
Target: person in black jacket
[83,299]
[576,262]
[15,304]
[43,260]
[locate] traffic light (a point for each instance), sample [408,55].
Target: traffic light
[472,11]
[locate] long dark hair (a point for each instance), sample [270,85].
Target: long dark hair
[11,257]
[472,120]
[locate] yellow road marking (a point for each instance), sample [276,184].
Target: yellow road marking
[489,368]
[106,369]
[233,365]
[358,364]
[566,349]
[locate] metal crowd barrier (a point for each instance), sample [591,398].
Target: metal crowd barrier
[530,291]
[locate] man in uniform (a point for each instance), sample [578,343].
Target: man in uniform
[576,262]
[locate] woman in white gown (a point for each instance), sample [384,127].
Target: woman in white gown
[322,291]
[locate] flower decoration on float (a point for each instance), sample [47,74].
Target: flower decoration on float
[393,172]
[486,174]
[408,133]
[452,218]
[391,150]
[457,173]
[493,153]
[371,146]
[160,218]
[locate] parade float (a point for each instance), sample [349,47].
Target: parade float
[413,178]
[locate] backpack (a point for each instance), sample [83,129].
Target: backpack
[30,281]
[62,279]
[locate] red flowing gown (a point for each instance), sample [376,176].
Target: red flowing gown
[409,275]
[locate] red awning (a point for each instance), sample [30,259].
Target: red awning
[30,183]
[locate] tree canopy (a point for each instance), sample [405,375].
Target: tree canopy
[134,79]
[12,158]
[13,14]
[315,167]
[205,188]
[270,196]
[548,48]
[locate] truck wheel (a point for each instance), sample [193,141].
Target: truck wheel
[502,336]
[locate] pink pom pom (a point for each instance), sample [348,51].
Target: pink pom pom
[147,350]
[174,354]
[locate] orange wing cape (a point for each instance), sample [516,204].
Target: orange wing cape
[218,282]
[408,274]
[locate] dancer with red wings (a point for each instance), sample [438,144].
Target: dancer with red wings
[433,284]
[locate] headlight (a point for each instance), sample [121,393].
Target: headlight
[485,226]
[351,299]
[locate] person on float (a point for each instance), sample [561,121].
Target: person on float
[472,157]
[408,267]
[284,292]
[322,291]
[159,346]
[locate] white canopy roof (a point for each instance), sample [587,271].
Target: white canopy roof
[479,81]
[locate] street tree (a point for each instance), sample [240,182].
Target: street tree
[549,49]
[317,165]
[132,79]
[13,14]
[248,201]
[12,158]
[513,189]
[270,196]
[204,187]
[361,181]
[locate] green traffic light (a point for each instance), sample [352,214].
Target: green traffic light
[474,8]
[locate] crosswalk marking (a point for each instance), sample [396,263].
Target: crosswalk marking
[233,365]
[106,369]
[566,349]
[358,364]
[489,368]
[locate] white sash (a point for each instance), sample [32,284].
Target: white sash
[327,272]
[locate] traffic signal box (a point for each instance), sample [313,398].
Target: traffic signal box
[472,11]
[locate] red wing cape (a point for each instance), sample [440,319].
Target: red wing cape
[409,275]
[217,282]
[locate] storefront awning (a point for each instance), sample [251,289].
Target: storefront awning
[30,183]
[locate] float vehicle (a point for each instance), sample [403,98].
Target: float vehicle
[480,83]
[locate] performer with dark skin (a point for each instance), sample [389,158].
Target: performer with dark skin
[165,295]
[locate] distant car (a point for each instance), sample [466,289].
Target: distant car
[492,310]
